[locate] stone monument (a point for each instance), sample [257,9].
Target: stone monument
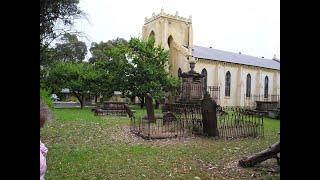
[192,90]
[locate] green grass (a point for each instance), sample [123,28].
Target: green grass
[83,146]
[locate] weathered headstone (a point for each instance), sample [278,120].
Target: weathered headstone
[209,116]
[151,117]
[150,108]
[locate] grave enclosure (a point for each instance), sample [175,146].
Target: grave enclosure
[111,108]
[267,104]
[196,113]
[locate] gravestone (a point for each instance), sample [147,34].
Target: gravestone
[150,108]
[209,115]
[151,117]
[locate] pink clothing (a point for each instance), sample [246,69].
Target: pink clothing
[43,162]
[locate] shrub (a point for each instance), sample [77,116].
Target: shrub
[46,97]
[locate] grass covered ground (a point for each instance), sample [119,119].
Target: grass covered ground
[83,146]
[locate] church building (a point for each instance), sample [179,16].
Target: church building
[234,79]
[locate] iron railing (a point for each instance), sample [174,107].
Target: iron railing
[179,120]
[182,120]
[214,92]
[237,122]
[170,127]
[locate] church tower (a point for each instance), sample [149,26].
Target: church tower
[173,33]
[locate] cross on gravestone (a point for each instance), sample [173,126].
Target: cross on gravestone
[209,115]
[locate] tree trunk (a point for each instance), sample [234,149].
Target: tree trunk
[82,101]
[96,98]
[141,102]
[81,105]
[80,98]
[157,104]
[271,152]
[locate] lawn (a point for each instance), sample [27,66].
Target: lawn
[83,146]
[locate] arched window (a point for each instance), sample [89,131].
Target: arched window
[248,91]
[266,88]
[151,34]
[170,40]
[228,84]
[179,72]
[204,73]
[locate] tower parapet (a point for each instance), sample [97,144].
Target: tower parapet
[163,14]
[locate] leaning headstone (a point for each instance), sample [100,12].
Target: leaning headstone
[150,108]
[209,116]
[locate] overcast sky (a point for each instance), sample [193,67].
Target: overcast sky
[248,26]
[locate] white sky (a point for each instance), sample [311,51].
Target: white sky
[248,26]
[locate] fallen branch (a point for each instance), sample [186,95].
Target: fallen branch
[252,160]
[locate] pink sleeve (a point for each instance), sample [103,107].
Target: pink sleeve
[43,149]
[43,162]
[43,166]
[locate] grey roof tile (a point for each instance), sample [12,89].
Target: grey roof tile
[225,56]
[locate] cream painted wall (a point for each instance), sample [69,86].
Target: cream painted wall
[216,72]
[182,63]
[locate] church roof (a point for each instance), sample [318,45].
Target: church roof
[225,56]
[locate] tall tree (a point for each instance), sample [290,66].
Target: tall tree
[148,73]
[71,49]
[114,69]
[54,11]
[98,50]
[56,18]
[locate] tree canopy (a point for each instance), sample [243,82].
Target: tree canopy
[149,74]
[54,11]
[71,49]
[56,19]
[79,78]
[134,68]
[99,50]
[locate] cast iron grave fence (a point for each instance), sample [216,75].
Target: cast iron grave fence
[179,120]
[239,122]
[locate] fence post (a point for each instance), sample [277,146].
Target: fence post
[209,115]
